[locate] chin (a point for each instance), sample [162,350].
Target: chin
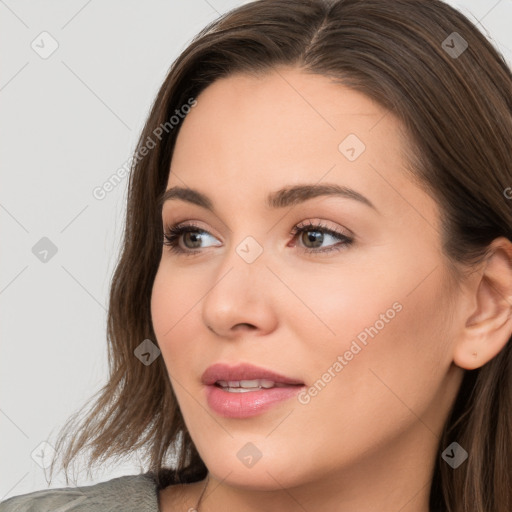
[273,470]
[262,478]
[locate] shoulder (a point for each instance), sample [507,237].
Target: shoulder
[132,493]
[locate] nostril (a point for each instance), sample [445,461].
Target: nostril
[250,326]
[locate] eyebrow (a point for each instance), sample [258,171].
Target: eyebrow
[282,198]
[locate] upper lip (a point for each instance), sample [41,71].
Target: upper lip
[243,371]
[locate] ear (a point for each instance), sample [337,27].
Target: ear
[489,324]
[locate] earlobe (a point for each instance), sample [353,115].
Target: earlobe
[488,328]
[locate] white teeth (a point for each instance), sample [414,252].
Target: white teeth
[247,384]
[242,386]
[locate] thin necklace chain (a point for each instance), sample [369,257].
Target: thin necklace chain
[201,496]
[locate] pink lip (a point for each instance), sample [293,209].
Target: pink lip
[243,371]
[246,404]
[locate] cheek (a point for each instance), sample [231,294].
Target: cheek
[175,312]
[173,298]
[378,311]
[388,358]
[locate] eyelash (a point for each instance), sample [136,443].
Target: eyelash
[173,233]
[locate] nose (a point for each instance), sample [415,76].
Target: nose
[241,298]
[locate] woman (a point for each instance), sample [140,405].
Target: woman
[312,309]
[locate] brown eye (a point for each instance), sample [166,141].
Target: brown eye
[192,243]
[312,236]
[195,238]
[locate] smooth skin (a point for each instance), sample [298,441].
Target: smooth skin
[369,439]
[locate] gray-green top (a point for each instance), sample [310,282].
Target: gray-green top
[130,493]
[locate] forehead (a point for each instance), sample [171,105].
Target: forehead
[285,101]
[258,133]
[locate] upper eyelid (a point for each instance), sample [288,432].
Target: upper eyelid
[322,225]
[310,221]
[186,219]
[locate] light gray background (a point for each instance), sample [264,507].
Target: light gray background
[68,122]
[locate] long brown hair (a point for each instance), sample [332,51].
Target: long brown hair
[456,109]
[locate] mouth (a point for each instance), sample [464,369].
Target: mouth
[244,390]
[245,376]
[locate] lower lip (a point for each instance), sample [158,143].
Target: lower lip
[247,404]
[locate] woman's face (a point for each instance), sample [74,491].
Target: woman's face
[366,326]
